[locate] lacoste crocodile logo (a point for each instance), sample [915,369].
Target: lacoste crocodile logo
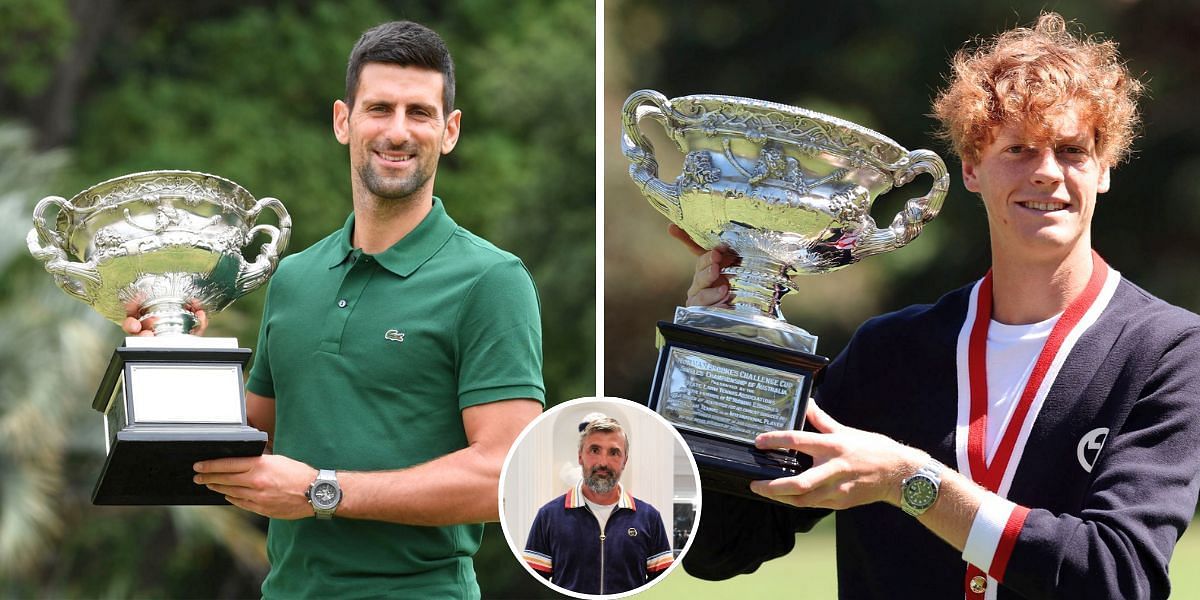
[394,336]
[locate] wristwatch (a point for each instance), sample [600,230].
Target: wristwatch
[325,494]
[919,492]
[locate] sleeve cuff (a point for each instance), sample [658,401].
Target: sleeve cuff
[258,386]
[538,562]
[496,394]
[986,532]
[993,535]
[660,561]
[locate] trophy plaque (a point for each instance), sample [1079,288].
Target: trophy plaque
[789,191]
[159,246]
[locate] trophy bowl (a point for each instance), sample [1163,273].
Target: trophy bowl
[159,244]
[787,189]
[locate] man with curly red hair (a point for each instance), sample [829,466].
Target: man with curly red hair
[1041,426]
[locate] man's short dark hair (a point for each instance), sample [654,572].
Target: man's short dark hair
[406,44]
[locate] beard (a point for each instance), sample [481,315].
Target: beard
[401,187]
[601,480]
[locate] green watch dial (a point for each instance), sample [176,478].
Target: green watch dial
[920,492]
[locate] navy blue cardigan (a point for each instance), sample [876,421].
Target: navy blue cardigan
[1108,533]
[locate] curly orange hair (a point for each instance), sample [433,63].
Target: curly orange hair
[1028,76]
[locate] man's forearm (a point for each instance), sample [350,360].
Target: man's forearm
[954,512]
[460,487]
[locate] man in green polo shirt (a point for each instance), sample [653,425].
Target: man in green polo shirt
[398,359]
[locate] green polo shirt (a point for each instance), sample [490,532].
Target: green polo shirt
[371,359]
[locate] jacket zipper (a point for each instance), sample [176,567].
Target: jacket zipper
[601,562]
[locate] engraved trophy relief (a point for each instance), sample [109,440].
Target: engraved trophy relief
[159,246]
[789,191]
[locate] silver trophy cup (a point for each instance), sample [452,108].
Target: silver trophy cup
[159,246]
[789,191]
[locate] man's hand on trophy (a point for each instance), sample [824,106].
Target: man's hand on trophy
[270,485]
[851,467]
[709,286]
[134,326]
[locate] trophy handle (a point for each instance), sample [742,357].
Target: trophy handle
[48,246]
[256,273]
[637,148]
[917,212]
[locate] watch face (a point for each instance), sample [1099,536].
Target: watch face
[920,492]
[324,494]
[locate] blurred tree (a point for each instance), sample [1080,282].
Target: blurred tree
[53,352]
[879,63]
[31,413]
[36,33]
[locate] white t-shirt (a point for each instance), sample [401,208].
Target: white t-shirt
[601,511]
[1012,351]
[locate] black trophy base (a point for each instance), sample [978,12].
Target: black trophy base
[728,468]
[697,403]
[153,466]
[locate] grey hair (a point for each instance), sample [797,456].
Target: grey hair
[600,423]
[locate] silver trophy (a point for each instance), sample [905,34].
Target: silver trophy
[789,191]
[159,246]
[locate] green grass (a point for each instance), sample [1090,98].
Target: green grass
[813,563]
[1185,578]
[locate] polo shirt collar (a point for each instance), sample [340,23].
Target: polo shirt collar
[575,497]
[408,254]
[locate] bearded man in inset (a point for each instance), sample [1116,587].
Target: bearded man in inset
[597,538]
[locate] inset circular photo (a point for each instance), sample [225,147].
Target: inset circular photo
[599,498]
